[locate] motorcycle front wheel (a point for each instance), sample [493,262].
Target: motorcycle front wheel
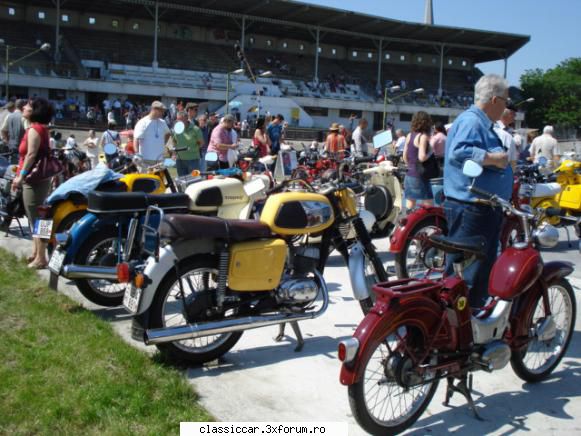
[542,355]
[199,276]
[391,394]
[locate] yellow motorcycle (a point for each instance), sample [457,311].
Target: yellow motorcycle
[213,278]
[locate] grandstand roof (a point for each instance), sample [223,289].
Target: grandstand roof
[291,19]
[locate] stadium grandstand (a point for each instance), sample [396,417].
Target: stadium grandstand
[313,64]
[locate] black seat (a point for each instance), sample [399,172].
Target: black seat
[468,246]
[130,202]
[192,227]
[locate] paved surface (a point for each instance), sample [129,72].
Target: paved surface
[260,380]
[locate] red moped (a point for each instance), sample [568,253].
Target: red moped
[421,331]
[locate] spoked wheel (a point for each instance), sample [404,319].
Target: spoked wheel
[418,255]
[393,392]
[551,334]
[169,309]
[101,249]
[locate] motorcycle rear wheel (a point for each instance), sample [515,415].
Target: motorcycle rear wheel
[379,394]
[198,273]
[538,360]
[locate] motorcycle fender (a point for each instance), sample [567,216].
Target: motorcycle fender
[156,271]
[556,270]
[421,312]
[357,272]
[63,209]
[79,233]
[400,235]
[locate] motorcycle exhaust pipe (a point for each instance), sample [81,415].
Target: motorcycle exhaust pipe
[192,331]
[73,271]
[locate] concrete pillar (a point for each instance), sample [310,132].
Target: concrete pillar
[317,55]
[441,70]
[57,53]
[379,60]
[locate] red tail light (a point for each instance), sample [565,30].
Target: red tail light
[44,211]
[342,351]
[123,273]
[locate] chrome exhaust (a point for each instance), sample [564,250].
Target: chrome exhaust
[73,271]
[192,331]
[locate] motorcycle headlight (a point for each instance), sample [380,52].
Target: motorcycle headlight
[546,235]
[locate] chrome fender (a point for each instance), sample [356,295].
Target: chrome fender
[156,271]
[357,272]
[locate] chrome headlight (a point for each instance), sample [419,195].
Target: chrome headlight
[546,235]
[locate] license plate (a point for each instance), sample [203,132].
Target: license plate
[42,229]
[131,298]
[56,261]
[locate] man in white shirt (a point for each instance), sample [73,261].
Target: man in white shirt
[152,133]
[547,146]
[501,127]
[360,148]
[400,142]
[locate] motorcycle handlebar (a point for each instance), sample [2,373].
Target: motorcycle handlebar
[496,200]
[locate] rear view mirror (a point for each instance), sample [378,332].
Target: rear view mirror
[211,156]
[472,169]
[542,161]
[169,163]
[179,128]
[110,149]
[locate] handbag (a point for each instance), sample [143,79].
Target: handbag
[44,168]
[428,169]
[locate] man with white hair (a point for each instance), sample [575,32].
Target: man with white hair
[472,137]
[546,146]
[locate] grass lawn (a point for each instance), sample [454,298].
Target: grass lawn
[64,371]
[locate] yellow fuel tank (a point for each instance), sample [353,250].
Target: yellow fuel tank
[256,265]
[141,182]
[297,213]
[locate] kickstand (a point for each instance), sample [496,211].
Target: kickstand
[296,330]
[464,387]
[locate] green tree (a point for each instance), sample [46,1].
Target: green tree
[557,94]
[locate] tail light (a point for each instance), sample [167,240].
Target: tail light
[44,211]
[139,281]
[347,350]
[123,273]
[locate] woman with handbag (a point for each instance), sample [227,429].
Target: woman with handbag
[421,162]
[34,153]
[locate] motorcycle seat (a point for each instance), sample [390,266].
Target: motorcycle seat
[190,227]
[130,202]
[468,246]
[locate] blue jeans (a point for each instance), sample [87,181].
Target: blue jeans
[468,219]
[203,161]
[185,167]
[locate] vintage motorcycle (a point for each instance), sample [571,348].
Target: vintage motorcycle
[11,206]
[215,278]
[110,232]
[422,331]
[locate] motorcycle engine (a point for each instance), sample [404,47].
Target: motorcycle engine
[297,291]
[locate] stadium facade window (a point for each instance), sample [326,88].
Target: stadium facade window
[301,47]
[92,20]
[135,26]
[354,53]
[346,113]
[464,63]
[320,49]
[420,58]
[41,15]
[369,55]
[269,42]
[251,40]
[334,51]
[450,62]
[405,117]
[65,18]
[316,111]
[285,44]
[434,60]
[387,56]
[402,58]
[11,11]
[115,24]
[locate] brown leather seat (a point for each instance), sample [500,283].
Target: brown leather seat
[189,227]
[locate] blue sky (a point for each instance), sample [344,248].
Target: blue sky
[553,25]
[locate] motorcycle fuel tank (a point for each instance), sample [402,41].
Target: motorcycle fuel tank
[514,272]
[209,195]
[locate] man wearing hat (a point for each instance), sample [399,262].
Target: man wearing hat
[192,111]
[12,127]
[335,144]
[152,133]
[221,141]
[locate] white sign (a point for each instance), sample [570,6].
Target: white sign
[382,139]
[285,164]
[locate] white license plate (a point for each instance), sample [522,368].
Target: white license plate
[42,229]
[56,261]
[131,298]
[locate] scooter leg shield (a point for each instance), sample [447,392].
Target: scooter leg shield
[357,272]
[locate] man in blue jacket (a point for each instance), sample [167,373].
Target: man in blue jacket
[472,136]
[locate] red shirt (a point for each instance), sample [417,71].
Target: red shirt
[44,144]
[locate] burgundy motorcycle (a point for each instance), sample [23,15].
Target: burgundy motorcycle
[422,331]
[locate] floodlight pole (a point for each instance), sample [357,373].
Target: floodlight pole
[440,89]
[317,55]
[57,56]
[155,63]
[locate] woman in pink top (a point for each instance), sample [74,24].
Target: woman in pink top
[438,143]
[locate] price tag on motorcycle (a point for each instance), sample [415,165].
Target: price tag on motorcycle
[253,187]
[42,229]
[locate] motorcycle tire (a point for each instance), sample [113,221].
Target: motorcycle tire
[519,360]
[402,268]
[90,288]
[179,350]
[387,384]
